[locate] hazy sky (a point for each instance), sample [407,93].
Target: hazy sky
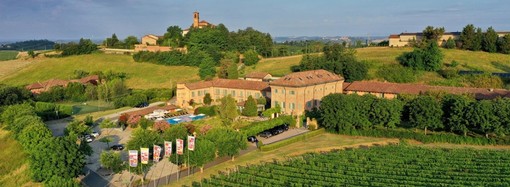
[97,19]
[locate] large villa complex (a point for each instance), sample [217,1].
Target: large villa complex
[404,39]
[300,91]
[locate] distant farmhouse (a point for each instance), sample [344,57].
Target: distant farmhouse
[404,39]
[39,87]
[298,92]
[150,41]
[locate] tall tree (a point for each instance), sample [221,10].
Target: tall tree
[251,57]
[172,37]
[481,116]
[386,113]
[130,42]
[207,69]
[477,41]
[143,138]
[33,134]
[467,37]
[504,44]
[490,40]
[59,156]
[228,142]
[431,34]
[207,99]
[204,153]
[425,112]
[454,108]
[250,107]
[228,110]
[111,160]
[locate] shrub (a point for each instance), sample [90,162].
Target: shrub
[257,127]
[397,73]
[207,110]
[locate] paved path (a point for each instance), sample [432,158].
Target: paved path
[287,134]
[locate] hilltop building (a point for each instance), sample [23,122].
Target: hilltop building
[197,23]
[39,87]
[404,39]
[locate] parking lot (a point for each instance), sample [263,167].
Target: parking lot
[286,134]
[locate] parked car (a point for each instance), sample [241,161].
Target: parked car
[285,127]
[252,139]
[117,147]
[94,134]
[265,134]
[274,131]
[88,138]
[142,105]
[280,129]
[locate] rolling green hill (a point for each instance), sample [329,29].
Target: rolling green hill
[139,75]
[8,55]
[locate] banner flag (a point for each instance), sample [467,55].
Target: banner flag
[133,158]
[180,146]
[157,153]
[191,143]
[144,152]
[168,149]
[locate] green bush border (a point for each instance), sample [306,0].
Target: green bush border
[291,140]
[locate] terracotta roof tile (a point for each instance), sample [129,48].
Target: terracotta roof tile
[257,75]
[229,83]
[307,78]
[399,88]
[394,36]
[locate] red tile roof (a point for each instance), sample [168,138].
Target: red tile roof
[230,83]
[394,36]
[256,75]
[399,88]
[307,78]
[34,86]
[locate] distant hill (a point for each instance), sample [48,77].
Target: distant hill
[28,45]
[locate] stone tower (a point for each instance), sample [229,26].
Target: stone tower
[196,19]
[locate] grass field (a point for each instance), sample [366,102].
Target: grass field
[8,55]
[324,142]
[139,75]
[278,66]
[13,163]
[89,106]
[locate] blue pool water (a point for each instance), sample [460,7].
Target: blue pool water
[184,118]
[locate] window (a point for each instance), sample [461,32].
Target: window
[233,93]
[299,106]
[283,104]
[224,92]
[292,92]
[217,91]
[241,94]
[283,91]
[292,106]
[275,91]
[309,104]
[199,93]
[257,95]
[192,94]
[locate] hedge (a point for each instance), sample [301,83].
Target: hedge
[207,110]
[429,138]
[291,140]
[47,110]
[257,127]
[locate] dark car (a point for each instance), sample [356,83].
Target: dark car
[265,134]
[117,147]
[275,131]
[285,127]
[142,105]
[252,139]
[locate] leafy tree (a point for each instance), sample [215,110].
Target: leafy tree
[172,37]
[232,72]
[490,40]
[10,95]
[481,116]
[425,112]
[250,107]
[130,42]
[12,112]
[428,59]
[77,128]
[386,113]
[467,37]
[454,108]
[74,91]
[228,110]
[111,160]
[207,69]
[477,42]
[504,44]
[355,71]
[502,109]
[143,138]
[250,38]
[251,57]
[58,181]
[204,153]
[112,41]
[207,99]
[161,125]
[431,34]
[228,142]
[33,134]
[450,43]
[175,132]
[59,156]
[22,122]
[261,100]
[107,140]
[31,53]
[224,67]
[339,112]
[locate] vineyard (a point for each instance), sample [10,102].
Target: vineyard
[396,165]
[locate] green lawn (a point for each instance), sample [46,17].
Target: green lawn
[89,106]
[278,66]
[139,75]
[13,163]
[8,55]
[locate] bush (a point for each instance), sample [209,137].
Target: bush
[207,110]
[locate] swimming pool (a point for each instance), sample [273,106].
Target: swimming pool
[184,118]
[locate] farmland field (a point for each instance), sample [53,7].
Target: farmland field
[396,165]
[8,55]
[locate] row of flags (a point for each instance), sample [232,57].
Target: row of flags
[144,152]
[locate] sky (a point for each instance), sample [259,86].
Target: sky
[98,19]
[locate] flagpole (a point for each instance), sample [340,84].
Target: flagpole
[177,158]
